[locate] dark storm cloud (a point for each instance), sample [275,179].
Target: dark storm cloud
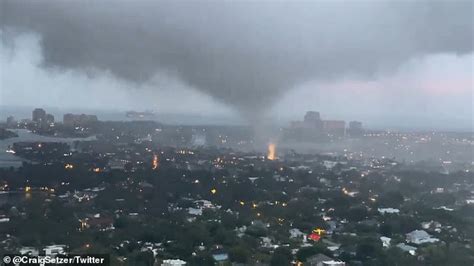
[242,53]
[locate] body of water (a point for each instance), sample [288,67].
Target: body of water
[8,159]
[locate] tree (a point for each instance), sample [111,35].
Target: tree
[357,213]
[143,259]
[239,254]
[391,199]
[304,253]
[395,256]
[368,248]
[201,260]
[281,257]
[386,229]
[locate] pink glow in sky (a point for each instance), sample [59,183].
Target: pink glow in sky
[438,87]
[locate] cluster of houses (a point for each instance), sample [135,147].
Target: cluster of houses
[284,171]
[51,250]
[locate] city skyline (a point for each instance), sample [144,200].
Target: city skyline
[376,123]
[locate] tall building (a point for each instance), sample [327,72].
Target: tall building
[312,120]
[355,129]
[68,119]
[39,115]
[334,127]
[313,128]
[78,120]
[310,129]
[312,116]
[10,121]
[49,118]
[355,125]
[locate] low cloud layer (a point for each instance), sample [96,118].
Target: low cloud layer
[242,53]
[25,83]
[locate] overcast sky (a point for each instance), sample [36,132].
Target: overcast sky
[393,63]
